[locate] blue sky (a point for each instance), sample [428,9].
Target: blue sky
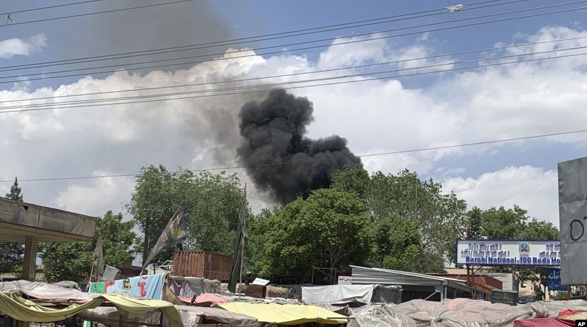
[378,116]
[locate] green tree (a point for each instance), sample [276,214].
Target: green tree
[329,229]
[15,192]
[397,244]
[11,253]
[475,221]
[502,223]
[73,261]
[211,202]
[440,217]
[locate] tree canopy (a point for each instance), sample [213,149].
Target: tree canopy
[211,203]
[437,217]
[330,229]
[73,261]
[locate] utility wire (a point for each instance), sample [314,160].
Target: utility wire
[305,72]
[239,40]
[294,87]
[442,147]
[95,13]
[238,88]
[305,42]
[53,7]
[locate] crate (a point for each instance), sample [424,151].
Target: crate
[202,264]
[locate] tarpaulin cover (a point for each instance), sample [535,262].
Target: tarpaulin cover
[148,286]
[140,307]
[190,286]
[285,314]
[463,312]
[567,313]
[191,315]
[110,316]
[209,299]
[52,293]
[337,294]
[544,322]
[378,315]
[21,309]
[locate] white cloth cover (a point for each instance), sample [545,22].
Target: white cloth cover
[337,294]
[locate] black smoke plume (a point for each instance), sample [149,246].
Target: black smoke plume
[279,159]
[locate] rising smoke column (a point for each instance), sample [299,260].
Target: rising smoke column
[279,159]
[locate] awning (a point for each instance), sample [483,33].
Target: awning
[285,314]
[21,309]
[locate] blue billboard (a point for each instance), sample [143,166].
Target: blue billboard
[553,280]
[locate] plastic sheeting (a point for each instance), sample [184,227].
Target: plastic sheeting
[21,309]
[190,316]
[337,294]
[190,286]
[52,293]
[544,322]
[379,316]
[285,314]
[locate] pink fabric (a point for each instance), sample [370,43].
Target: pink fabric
[209,299]
[544,322]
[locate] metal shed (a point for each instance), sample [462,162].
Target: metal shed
[414,285]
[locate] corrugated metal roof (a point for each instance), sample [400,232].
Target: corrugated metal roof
[365,275]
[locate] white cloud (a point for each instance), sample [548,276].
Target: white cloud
[375,116]
[22,47]
[531,188]
[92,198]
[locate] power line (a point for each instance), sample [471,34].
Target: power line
[306,72]
[239,40]
[96,102]
[53,7]
[442,147]
[95,13]
[319,46]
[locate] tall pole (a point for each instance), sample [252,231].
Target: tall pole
[243,232]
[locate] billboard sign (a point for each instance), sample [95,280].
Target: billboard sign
[553,280]
[531,253]
[572,197]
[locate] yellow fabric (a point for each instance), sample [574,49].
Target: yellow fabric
[25,310]
[21,309]
[285,314]
[140,307]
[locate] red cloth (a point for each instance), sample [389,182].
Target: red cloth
[209,299]
[567,312]
[544,322]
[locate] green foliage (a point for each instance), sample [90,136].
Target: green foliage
[211,204]
[10,256]
[475,221]
[502,223]
[117,239]
[440,218]
[66,261]
[11,253]
[397,244]
[15,192]
[72,261]
[329,229]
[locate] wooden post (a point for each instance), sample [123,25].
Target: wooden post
[29,264]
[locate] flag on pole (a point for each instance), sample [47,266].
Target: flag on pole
[98,262]
[174,233]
